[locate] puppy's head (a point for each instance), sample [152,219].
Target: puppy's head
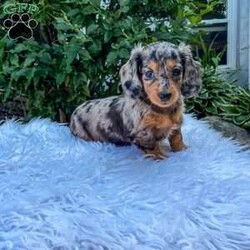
[162,72]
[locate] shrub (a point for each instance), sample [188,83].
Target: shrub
[219,96]
[79,47]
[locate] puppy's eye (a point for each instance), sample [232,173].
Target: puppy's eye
[176,72]
[149,74]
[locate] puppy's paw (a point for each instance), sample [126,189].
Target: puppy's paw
[155,154]
[156,157]
[178,147]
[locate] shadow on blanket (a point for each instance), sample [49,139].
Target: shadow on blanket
[58,192]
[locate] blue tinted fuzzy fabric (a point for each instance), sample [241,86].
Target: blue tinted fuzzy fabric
[58,192]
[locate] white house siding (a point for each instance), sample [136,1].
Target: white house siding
[243,42]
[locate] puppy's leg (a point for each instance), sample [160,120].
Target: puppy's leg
[176,141]
[80,128]
[155,152]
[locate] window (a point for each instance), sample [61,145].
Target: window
[221,27]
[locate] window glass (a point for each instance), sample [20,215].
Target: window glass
[216,31]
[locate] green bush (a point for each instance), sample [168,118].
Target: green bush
[79,47]
[219,96]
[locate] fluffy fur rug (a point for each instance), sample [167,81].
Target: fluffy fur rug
[58,192]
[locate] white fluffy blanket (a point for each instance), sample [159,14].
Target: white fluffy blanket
[58,192]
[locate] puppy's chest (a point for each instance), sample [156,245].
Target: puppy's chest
[161,125]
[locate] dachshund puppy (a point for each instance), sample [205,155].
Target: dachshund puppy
[154,81]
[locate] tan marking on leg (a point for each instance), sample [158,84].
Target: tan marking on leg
[176,141]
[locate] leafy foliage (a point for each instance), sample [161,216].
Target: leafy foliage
[221,98]
[79,47]
[218,96]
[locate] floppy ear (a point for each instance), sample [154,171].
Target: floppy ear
[191,84]
[130,74]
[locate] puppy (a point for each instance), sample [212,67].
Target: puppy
[154,81]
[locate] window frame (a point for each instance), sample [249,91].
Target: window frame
[231,21]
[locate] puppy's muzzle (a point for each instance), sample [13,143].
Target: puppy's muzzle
[164,96]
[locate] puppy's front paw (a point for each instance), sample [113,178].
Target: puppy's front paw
[156,157]
[155,154]
[178,147]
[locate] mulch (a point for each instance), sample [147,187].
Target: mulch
[11,110]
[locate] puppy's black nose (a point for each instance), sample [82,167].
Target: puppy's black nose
[164,96]
[136,91]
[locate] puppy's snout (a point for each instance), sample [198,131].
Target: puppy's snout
[164,81]
[136,91]
[164,96]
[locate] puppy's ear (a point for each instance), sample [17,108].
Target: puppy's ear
[130,74]
[191,84]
